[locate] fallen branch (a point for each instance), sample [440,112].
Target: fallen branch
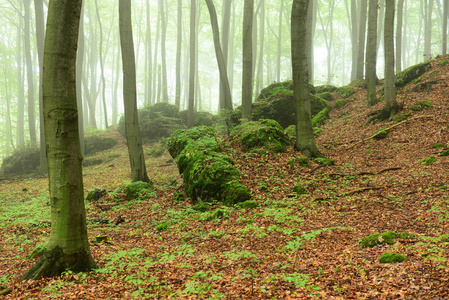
[366,173]
[359,190]
[391,127]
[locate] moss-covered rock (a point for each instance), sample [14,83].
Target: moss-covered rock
[201,118]
[208,172]
[345,91]
[264,135]
[327,88]
[326,96]
[321,117]
[425,103]
[388,237]
[22,161]
[96,141]
[324,161]
[156,121]
[408,75]
[137,190]
[389,258]
[340,103]
[416,107]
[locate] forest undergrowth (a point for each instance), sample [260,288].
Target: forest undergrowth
[298,239]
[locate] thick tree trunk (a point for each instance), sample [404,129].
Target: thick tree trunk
[399,36]
[428,29]
[191,99]
[247,72]
[224,83]
[20,138]
[68,247]
[361,40]
[133,139]
[79,75]
[371,53]
[445,17]
[225,24]
[391,106]
[305,141]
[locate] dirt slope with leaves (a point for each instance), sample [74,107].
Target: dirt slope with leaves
[298,239]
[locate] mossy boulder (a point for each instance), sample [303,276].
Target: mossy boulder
[277,102]
[390,258]
[402,78]
[425,103]
[23,161]
[201,118]
[156,121]
[345,91]
[209,174]
[326,96]
[97,141]
[138,190]
[264,135]
[290,132]
[321,117]
[388,237]
[340,103]
[327,88]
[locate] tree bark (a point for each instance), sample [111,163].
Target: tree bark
[148,59]
[259,73]
[20,138]
[178,56]
[224,83]
[247,72]
[68,247]
[354,39]
[133,139]
[445,17]
[305,141]
[163,52]
[399,36]
[428,29]
[191,99]
[279,49]
[225,24]
[103,81]
[361,40]
[79,75]
[371,53]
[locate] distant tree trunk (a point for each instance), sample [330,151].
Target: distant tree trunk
[103,82]
[305,141]
[40,37]
[361,40]
[380,22]
[445,17]
[311,23]
[399,35]
[328,29]
[30,76]
[68,247]
[232,51]
[178,56]
[247,73]
[155,62]
[219,54]
[371,53]
[225,24]
[133,139]
[354,39]
[20,138]
[391,106]
[279,49]
[159,84]
[115,88]
[163,52]
[428,29]
[191,101]
[259,74]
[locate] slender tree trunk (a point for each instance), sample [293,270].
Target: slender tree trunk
[259,74]
[191,100]
[103,81]
[399,36]
[428,30]
[68,247]
[20,138]
[354,39]
[391,106]
[148,59]
[115,88]
[361,40]
[247,73]
[155,62]
[30,76]
[371,53]
[225,24]
[133,139]
[305,141]
[232,51]
[178,56]
[163,53]
[380,22]
[445,17]
[279,49]
[219,54]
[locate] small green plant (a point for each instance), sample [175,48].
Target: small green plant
[201,207]
[162,226]
[401,117]
[300,190]
[438,145]
[428,161]
[388,237]
[426,103]
[416,107]
[381,134]
[38,251]
[443,62]
[324,161]
[214,215]
[389,258]
[247,204]
[445,153]
[340,103]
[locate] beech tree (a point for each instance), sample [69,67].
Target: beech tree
[247,73]
[371,53]
[68,247]
[305,141]
[133,139]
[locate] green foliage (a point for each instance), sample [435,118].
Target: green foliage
[438,145]
[381,133]
[200,118]
[201,207]
[428,161]
[389,258]
[300,190]
[24,160]
[340,103]
[443,62]
[247,204]
[388,237]
[96,141]
[38,250]
[290,132]
[156,121]
[214,215]
[345,91]
[326,96]
[260,136]
[445,153]
[416,107]
[162,226]
[321,117]
[302,161]
[401,117]
[425,103]
[324,161]
[404,77]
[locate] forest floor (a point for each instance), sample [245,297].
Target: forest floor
[291,246]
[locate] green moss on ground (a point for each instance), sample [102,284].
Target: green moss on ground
[428,161]
[389,258]
[340,103]
[388,237]
[345,91]
[327,88]
[326,96]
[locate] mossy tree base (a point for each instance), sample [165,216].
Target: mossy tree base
[54,262]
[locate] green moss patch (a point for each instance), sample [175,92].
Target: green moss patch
[443,62]
[425,103]
[438,145]
[389,258]
[416,107]
[247,204]
[300,190]
[326,96]
[401,117]
[263,136]
[388,237]
[428,161]
[340,103]
[327,88]
[445,153]
[208,172]
[345,91]
[324,161]
[320,118]
[408,75]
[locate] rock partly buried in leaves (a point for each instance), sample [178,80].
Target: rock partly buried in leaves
[208,172]
[263,136]
[390,258]
[408,75]
[388,237]
[345,91]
